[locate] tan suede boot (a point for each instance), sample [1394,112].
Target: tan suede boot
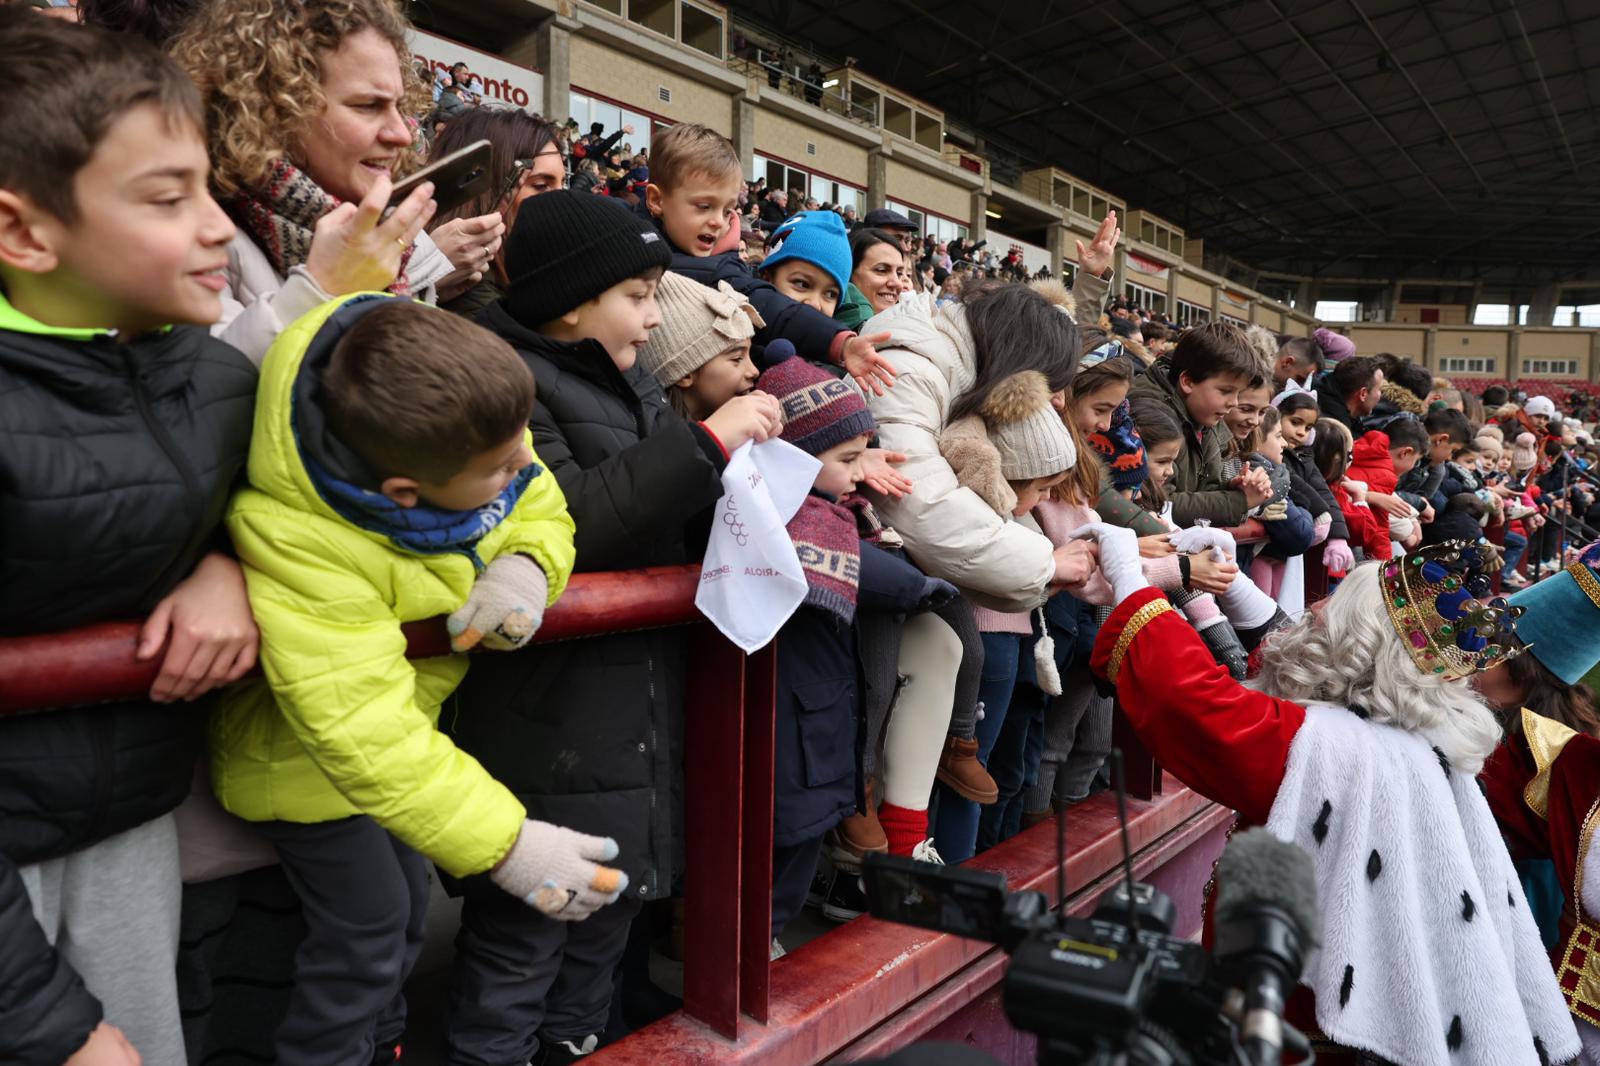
[960,770]
[861,833]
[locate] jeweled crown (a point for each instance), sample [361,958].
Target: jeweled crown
[1438,601]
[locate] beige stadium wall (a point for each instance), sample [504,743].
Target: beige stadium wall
[1192,290]
[1296,328]
[911,186]
[783,138]
[1556,344]
[632,81]
[1406,343]
[1449,314]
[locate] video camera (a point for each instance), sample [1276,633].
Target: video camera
[1117,988]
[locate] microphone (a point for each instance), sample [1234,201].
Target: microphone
[1267,923]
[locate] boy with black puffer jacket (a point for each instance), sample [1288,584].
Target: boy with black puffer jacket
[692,199]
[122,428]
[587,734]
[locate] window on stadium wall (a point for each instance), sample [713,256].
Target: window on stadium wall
[1149,299]
[1192,314]
[820,187]
[587,110]
[942,228]
[1550,368]
[1337,310]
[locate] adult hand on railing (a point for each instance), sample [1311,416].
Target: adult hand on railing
[553,870]
[206,626]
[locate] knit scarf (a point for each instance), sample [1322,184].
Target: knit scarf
[825,539]
[422,529]
[282,217]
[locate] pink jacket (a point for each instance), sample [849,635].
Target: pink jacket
[1058,519]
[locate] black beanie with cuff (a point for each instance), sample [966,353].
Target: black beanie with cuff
[567,248]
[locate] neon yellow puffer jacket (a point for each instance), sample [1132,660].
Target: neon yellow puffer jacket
[344,724]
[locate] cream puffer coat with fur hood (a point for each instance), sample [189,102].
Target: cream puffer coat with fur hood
[949,531]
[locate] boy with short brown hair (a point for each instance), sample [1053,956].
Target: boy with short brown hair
[391,481]
[1199,382]
[693,199]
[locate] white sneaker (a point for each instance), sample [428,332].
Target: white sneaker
[778,951]
[925,852]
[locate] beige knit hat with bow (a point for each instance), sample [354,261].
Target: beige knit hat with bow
[698,323]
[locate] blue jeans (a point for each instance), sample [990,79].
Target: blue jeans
[955,831]
[1014,763]
[1516,544]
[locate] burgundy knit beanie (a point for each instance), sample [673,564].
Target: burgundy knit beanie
[819,410]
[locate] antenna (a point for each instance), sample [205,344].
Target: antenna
[1127,854]
[1061,857]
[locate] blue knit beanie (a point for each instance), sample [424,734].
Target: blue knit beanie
[815,237]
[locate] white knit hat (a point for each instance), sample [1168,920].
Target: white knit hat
[698,323]
[1027,430]
[1540,405]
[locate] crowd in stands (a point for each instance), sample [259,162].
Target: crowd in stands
[242,400]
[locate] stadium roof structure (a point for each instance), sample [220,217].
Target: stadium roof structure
[1369,138]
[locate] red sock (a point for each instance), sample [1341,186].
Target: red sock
[904,828]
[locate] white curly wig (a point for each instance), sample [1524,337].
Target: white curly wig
[1348,653]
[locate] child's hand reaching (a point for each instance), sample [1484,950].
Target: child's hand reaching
[213,638]
[1207,574]
[505,607]
[872,371]
[756,416]
[106,1046]
[878,473]
[1156,545]
[1357,490]
[554,870]
[1256,484]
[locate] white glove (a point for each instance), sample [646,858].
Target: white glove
[1246,606]
[1337,557]
[504,608]
[554,871]
[1119,557]
[1196,539]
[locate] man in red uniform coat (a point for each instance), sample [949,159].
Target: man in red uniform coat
[1359,741]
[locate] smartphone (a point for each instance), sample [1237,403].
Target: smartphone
[457,178]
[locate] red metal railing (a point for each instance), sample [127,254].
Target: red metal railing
[834,991]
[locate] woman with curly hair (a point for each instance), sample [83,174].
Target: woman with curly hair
[1360,740]
[308,107]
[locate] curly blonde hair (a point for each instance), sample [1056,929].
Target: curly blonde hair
[1347,653]
[257,65]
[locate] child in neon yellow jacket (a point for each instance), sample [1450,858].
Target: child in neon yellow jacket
[391,480]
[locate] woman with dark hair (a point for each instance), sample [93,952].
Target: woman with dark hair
[526,159]
[877,267]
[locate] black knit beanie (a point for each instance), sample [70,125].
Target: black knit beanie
[569,247]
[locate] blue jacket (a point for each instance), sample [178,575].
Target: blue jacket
[819,733]
[809,330]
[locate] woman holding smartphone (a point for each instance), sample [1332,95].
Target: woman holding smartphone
[305,166]
[526,160]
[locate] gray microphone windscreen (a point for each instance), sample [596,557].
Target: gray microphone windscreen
[1258,868]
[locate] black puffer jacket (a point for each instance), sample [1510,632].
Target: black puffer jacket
[116,460]
[588,733]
